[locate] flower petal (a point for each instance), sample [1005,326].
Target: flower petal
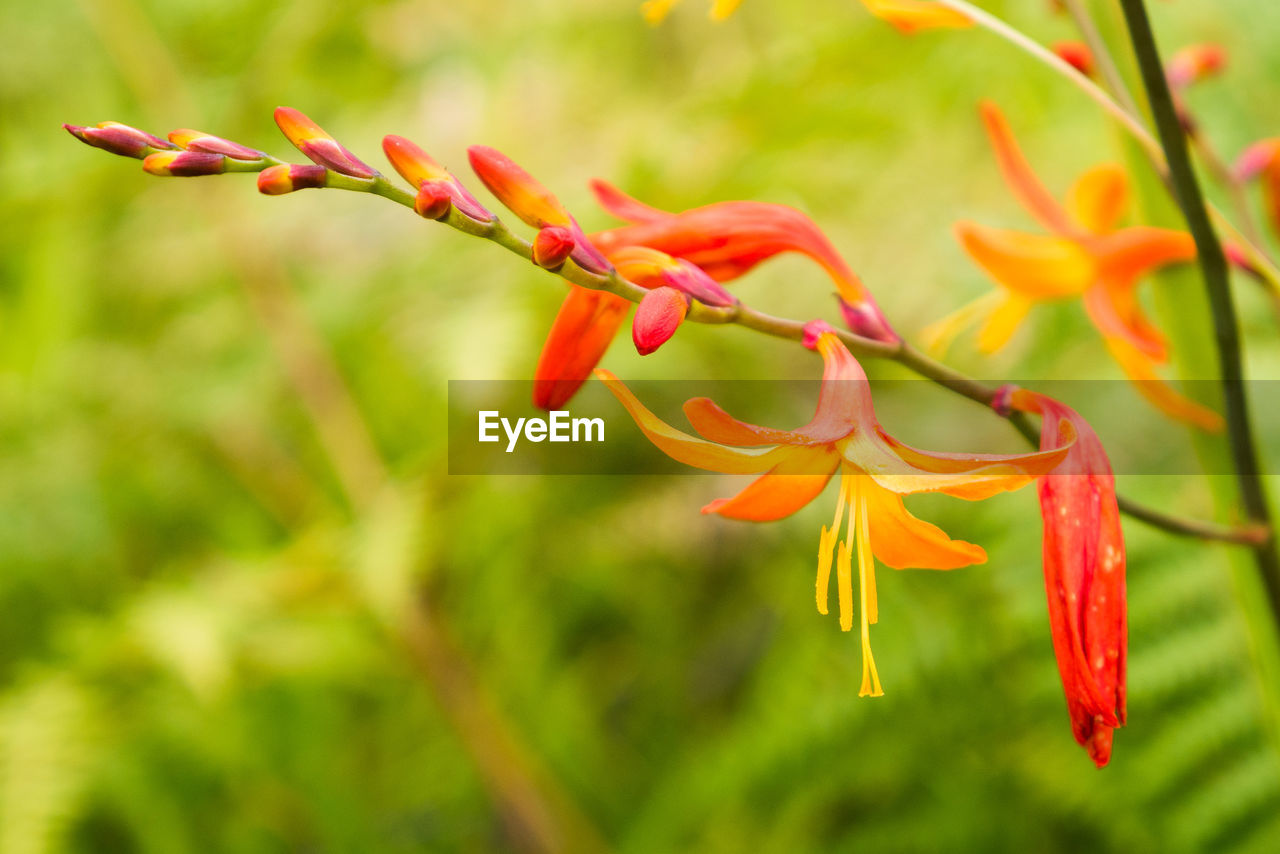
[795,481]
[1002,322]
[624,207]
[1116,312]
[1141,369]
[1034,265]
[902,541]
[1019,176]
[690,450]
[911,16]
[1131,253]
[1098,198]
[582,331]
[716,425]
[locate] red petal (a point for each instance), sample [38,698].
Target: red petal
[586,324]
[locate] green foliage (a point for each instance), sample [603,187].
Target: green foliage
[207,641]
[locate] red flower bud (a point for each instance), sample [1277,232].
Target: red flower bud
[318,146]
[1195,63]
[278,180]
[433,200]
[1077,55]
[184,164]
[865,318]
[552,247]
[119,139]
[420,169]
[657,318]
[194,140]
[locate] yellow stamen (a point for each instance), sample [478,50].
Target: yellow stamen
[844,575]
[867,591]
[826,542]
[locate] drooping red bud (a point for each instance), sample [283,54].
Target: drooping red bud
[1077,55]
[657,318]
[552,247]
[119,139]
[184,164]
[278,180]
[322,149]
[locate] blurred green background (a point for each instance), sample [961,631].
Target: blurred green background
[243,608]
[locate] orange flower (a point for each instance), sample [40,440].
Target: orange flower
[727,239]
[875,471]
[1084,569]
[1084,256]
[912,15]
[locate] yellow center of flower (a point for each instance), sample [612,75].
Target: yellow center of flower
[853,497]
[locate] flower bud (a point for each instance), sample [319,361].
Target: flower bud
[1195,63]
[652,269]
[1077,55]
[184,164]
[287,177]
[1258,158]
[318,146]
[119,139]
[420,169]
[433,200]
[194,140]
[657,318]
[865,319]
[552,247]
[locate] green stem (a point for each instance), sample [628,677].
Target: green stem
[1213,266]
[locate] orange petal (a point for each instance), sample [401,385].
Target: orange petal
[844,398]
[1142,370]
[716,425]
[784,489]
[690,450]
[1099,197]
[625,207]
[1037,266]
[903,469]
[910,16]
[902,541]
[582,331]
[1018,175]
[1131,253]
[1116,312]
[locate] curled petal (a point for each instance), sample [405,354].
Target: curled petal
[1036,266]
[905,470]
[322,149]
[1018,174]
[797,479]
[844,401]
[1099,197]
[658,316]
[1116,312]
[714,424]
[624,207]
[582,331]
[902,541]
[690,450]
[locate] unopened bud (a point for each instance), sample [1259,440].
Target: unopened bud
[194,140]
[1195,63]
[865,319]
[433,200]
[119,139]
[322,149]
[552,247]
[285,178]
[657,318]
[1077,55]
[184,164]
[815,329]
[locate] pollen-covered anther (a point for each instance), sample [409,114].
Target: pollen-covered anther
[119,139]
[286,178]
[184,164]
[552,247]
[657,318]
[321,148]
